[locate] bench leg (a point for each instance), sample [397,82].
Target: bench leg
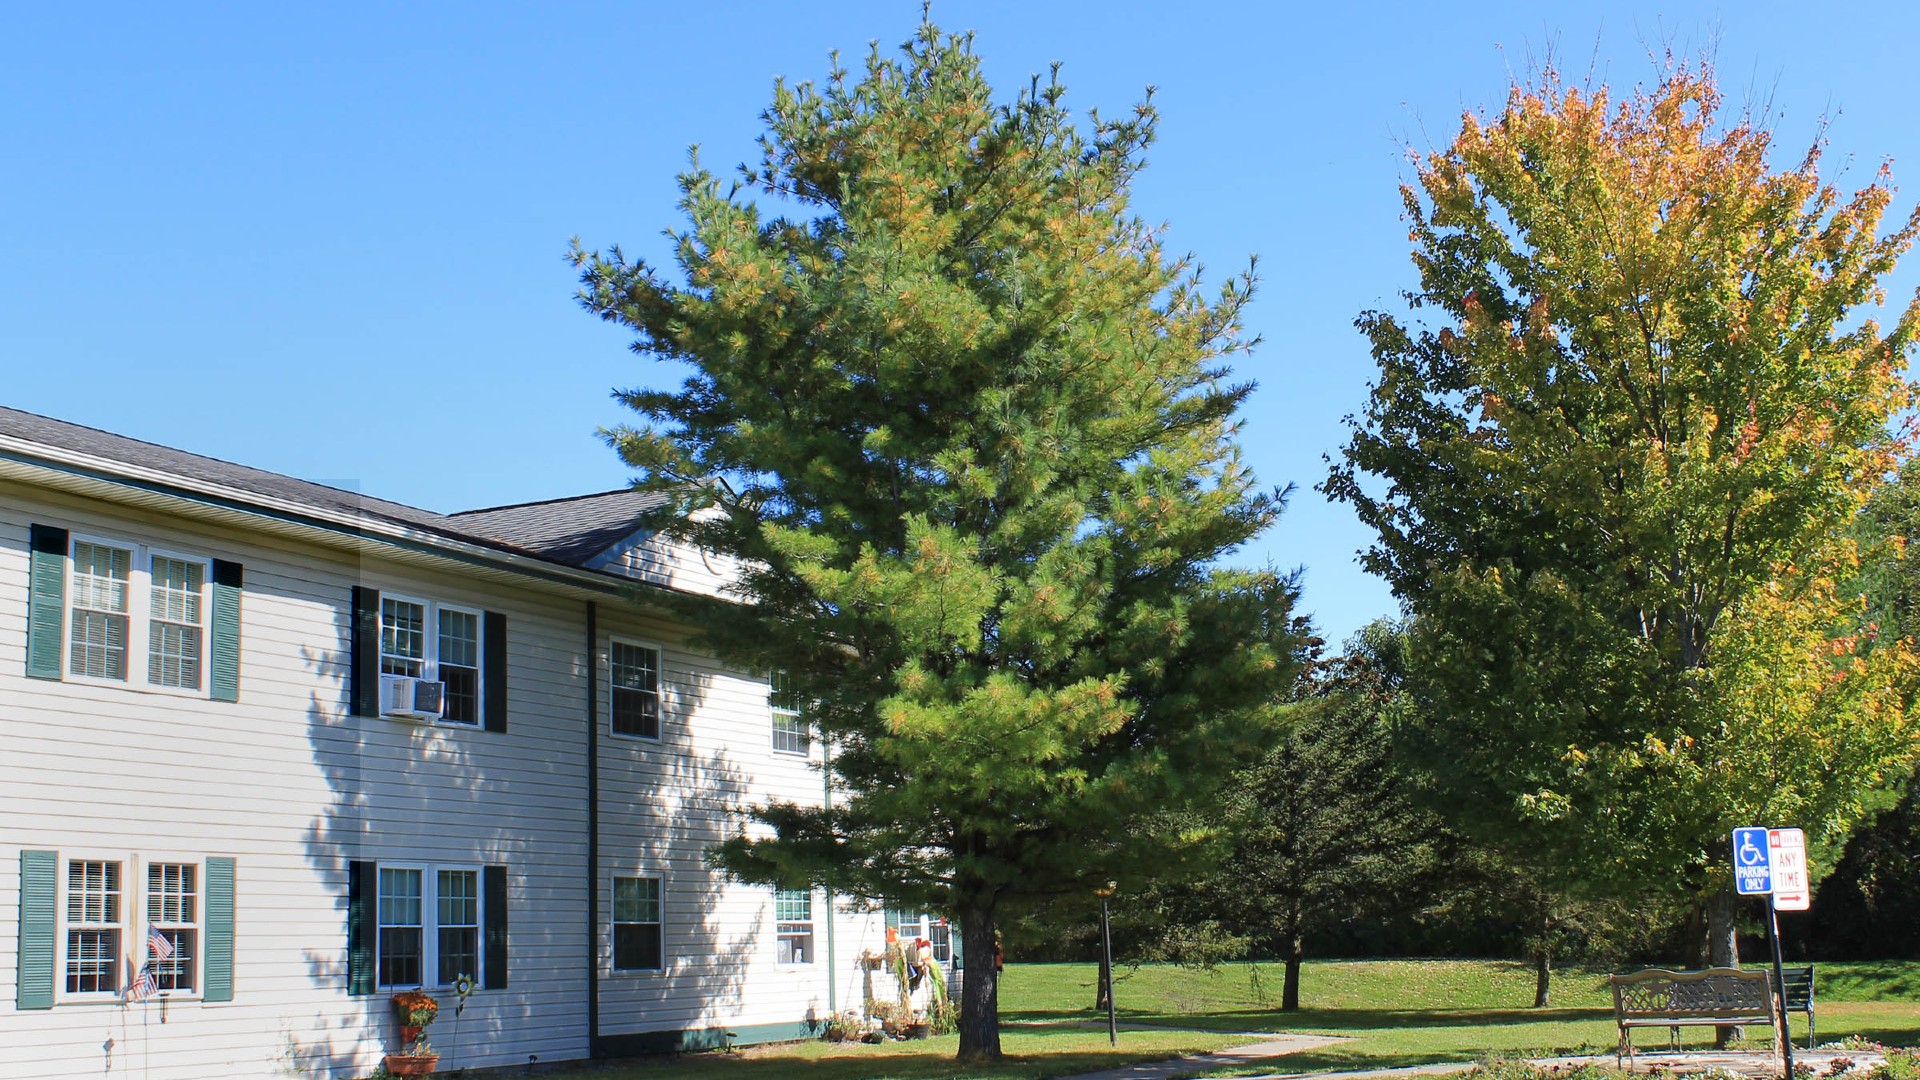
[1623,1054]
[1673,1040]
[1809,1029]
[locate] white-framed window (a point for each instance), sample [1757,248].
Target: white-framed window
[174,911]
[137,615]
[633,671]
[791,733]
[107,909]
[428,924]
[638,923]
[94,926]
[793,926]
[936,931]
[422,639]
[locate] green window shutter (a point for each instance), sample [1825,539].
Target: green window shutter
[46,600]
[361,878]
[363,641]
[493,901]
[35,977]
[493,670]
[218,985]
[225,681]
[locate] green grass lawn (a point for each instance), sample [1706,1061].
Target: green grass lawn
[1393,1012]
[1412,1012]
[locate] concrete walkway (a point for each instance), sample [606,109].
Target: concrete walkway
[1270,1046]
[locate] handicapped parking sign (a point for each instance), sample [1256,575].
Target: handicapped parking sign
[1752,862]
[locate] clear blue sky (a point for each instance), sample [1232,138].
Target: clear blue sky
[327,239]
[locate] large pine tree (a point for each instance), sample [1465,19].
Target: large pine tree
[969,429]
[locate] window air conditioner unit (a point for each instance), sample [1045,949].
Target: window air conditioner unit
[413,699]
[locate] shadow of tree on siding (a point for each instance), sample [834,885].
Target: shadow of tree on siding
[400,791]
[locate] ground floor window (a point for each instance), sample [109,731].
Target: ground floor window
[922,925]
[429,924]
[637,924]
[793,920]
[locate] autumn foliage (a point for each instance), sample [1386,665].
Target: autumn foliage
[1610,459]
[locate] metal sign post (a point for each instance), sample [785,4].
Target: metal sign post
[1773,862]
[1779,989]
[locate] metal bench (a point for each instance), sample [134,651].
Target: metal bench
[1715,997]
[1798,995]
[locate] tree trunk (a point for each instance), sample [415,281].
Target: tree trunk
[1723,946]
[1290,988]
[1543,955]
[979,988]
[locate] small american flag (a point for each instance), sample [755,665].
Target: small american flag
[142,986]
[158,943]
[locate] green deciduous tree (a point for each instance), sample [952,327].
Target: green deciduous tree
[1610,466]
[977,438]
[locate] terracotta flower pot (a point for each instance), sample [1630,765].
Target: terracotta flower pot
[412,1064]
[408,1033]
[918,1031]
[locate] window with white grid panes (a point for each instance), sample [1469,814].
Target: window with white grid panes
[457,930]
[173,908]
[459,664]
[403,638]
[429,925]
[101,610]
[176,627]
[793,926]
[402,946]
[635,673]
[637,924]
[421,639]
[791,734]
[937,932]
[94,923]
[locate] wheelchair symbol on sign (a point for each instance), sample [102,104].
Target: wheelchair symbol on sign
[1751,854]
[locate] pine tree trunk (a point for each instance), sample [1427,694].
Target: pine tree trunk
[1290,988]
[979,989]
[1543,955]
[1101,992]
[1723,946]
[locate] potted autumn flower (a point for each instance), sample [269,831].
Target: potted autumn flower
[415,1009]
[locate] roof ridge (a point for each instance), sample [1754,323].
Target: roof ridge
[544,502]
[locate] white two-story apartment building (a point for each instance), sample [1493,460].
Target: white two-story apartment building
[328,747]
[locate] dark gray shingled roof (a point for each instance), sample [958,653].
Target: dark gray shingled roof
[562,530]
[572,530]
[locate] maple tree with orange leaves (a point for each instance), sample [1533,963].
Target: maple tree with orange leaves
[1611,458]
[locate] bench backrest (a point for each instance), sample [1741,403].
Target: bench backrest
[1797,987]
[1658,993]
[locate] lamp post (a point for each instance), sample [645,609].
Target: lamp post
[1106,961]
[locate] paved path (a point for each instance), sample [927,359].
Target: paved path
[1269,1046]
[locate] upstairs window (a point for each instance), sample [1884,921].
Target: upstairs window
[635,671]
[108,611]
[177,622]
[791,733]
[435,643]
